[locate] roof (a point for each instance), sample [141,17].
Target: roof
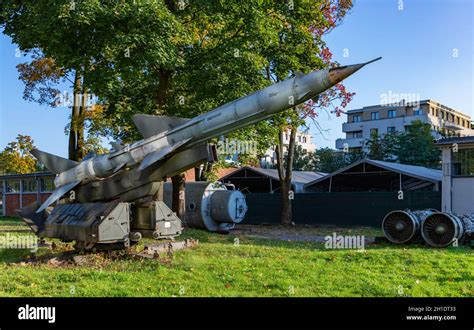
[419,172]
[452,140]
[297,176]
[27,175]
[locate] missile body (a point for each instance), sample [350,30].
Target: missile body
[166,136]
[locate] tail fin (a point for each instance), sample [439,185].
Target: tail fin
[54,163]
[57,194]
[150,125]
[34,220]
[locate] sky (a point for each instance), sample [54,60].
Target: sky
[426,45]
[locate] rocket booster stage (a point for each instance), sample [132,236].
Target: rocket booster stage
[167,136]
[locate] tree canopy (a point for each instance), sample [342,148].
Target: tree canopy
[16,157]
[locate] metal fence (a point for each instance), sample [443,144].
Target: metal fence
[338,209]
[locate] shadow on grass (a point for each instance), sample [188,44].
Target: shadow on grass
[14,255]
[230,239]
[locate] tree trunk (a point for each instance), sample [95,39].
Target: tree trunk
[178,204]
[72,137]
[206,171]
[197,173]
[285,171]
[80,125]
[163,85]
[74,117]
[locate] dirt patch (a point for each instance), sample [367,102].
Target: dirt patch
[301,233]
[160,251]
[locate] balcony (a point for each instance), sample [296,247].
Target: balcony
[407,120]
[351,143]
[351,127]
[393,121]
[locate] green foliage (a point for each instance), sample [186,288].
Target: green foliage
[417,148]
[16,157]
[385,147]
[412,147]
[327,160]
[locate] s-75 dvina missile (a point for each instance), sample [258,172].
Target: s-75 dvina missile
[172,144]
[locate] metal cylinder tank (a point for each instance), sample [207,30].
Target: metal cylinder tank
[441,229]
[403,226]
[210,206]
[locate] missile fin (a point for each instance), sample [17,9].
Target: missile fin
[150,125]
[54,163]
[57,194]
[116,145]
[34,220]
[159,154]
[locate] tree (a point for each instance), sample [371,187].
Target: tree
[300,48]
[383,147]
[174,58]
[302,159]
[376,147]
[413,147]
[327,160]
[16,157]
[227,45]
[417,147]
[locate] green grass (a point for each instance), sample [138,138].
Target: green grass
[227,265]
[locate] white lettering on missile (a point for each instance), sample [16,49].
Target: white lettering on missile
[37,313]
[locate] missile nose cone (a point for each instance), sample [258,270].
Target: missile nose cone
[339,73]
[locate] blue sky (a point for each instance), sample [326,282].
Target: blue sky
[418,45]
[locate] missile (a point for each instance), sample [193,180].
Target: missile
[166,138]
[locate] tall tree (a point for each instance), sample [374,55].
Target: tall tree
[300,48]
[417,147]
[16,157]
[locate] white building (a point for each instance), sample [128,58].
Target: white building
[303,138]
[382,119]
[458,174]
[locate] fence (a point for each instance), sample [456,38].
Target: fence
[338,209]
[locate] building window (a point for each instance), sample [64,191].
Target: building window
[416,112]
[374,115]
[442,114]
[30,185]
[374,131]
[357,134]
[13,186]
[356,119]
[47,185]
[463,162]
[391,129]
[392,113]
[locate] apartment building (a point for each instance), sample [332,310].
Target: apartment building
[382,119]
[303,138]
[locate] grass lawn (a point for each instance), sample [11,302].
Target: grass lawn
[229,265]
